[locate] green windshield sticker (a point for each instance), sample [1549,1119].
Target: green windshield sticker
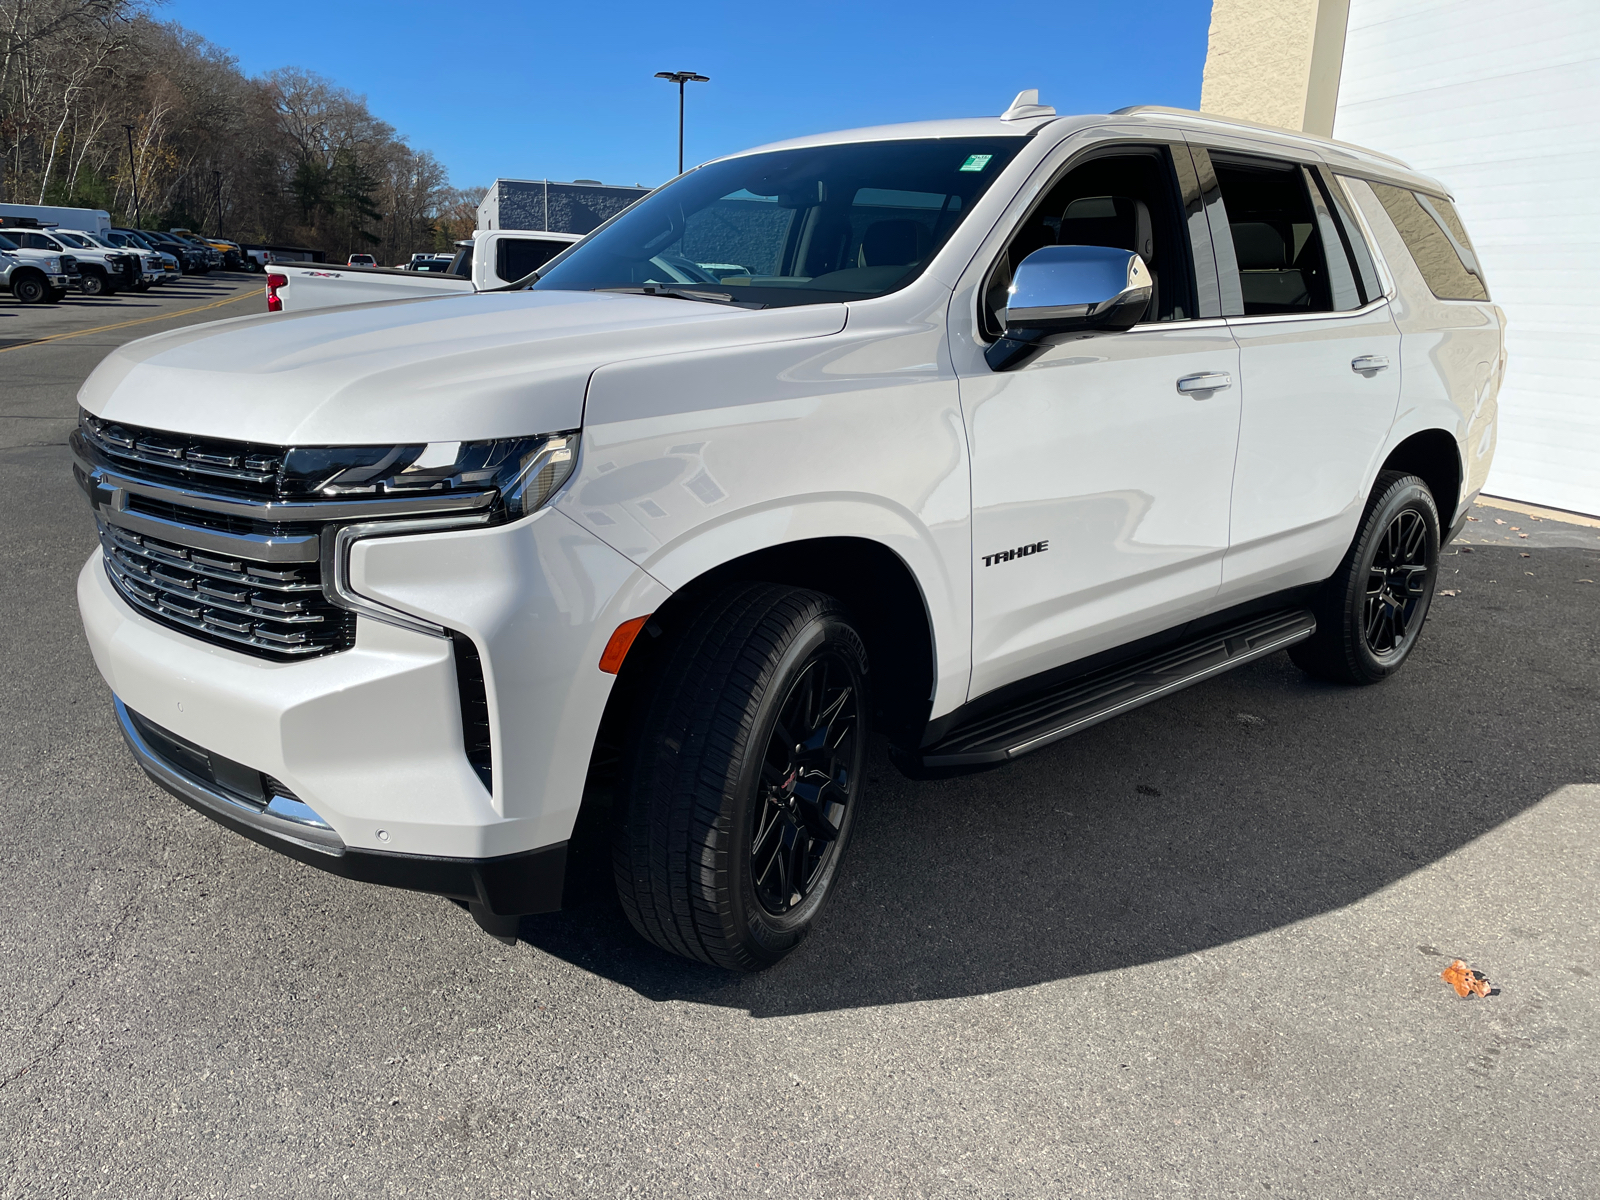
[976,162]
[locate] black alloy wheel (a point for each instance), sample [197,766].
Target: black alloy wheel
[1397,583]
[30,288]
[808,780]
[94,284]
[1371,611]
[742,773]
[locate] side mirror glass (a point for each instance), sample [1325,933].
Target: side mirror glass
[1059,291]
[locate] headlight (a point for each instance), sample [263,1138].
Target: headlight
[523,472]
[52,266]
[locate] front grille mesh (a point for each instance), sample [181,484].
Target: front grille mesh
[274,610]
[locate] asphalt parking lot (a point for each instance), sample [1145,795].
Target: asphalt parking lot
[1193,952]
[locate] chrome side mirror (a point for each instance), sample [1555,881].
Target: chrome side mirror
[1059,291]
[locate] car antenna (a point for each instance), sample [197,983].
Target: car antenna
[1027,105]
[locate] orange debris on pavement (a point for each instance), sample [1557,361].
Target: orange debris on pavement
[1465,980]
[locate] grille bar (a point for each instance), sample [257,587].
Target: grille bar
[263,608]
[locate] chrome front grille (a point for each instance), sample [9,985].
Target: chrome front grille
[272,609]
[241,467]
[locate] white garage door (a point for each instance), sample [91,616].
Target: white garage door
[1499,100]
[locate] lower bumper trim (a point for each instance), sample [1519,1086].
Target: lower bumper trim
[505,886]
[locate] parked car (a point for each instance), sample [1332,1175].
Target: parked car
[362,260]
[1004,427]
[192,259]
[101,271]
[501,257]
[209,255]
[32,276]
[163,266]
[432,264]
[147,267]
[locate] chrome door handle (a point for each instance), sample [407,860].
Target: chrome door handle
[1370,362]
[1211,381]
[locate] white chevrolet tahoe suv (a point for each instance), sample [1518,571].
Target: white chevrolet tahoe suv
[969,434]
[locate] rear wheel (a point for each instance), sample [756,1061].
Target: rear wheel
[1370,613]
[743,778]
[30,288]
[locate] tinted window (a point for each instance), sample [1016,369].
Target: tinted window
[516,257]
[1276,238]
[804,226]
[1355,240]
[462,263]
[1437,241]
[7,244]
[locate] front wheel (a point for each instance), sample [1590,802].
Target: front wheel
[743,778]
[1370,613]
[94,285]
[30,289]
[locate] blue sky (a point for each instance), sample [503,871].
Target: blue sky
[566,91]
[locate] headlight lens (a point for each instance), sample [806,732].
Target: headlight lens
[525,472]
[53,265]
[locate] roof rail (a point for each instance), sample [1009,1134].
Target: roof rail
[1195,114]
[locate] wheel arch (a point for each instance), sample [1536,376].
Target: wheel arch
[1434,456]
[876,584]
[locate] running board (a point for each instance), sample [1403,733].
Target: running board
[1048,716]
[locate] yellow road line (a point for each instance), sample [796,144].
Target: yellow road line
[57,337]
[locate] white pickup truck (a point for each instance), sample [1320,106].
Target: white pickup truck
[970,434]
[492,259]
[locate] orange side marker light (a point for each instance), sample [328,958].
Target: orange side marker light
[621,641]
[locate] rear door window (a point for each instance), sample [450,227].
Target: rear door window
[1278,239]
[1437,240]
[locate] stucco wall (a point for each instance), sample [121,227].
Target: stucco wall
[1258,60]
[1275,62]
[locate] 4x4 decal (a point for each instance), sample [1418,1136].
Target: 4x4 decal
[990,560]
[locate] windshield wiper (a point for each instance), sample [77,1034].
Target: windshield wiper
[682,294]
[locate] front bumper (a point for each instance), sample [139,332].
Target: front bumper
[371,738]
[511,885]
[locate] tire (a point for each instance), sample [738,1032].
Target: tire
[722,852]
[1370,613]
[29,288]
[94,284]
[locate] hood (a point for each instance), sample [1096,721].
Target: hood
[457,368]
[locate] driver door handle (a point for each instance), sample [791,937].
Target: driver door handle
[1370,362]
[1210,381]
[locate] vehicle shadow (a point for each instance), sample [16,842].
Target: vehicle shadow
[1237,807]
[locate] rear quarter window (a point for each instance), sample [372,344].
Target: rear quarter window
[1437,240]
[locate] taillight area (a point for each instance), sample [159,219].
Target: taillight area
[275,301]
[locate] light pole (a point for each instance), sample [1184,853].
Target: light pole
[133,173]
[680,78]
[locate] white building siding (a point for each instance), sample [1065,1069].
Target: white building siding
[1500,101]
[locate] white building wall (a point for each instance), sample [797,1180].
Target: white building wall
[1501,101]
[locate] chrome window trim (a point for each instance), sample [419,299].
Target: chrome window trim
[1270,318]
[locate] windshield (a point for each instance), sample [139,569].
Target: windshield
[7,244]
[807,226]
[74,240]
